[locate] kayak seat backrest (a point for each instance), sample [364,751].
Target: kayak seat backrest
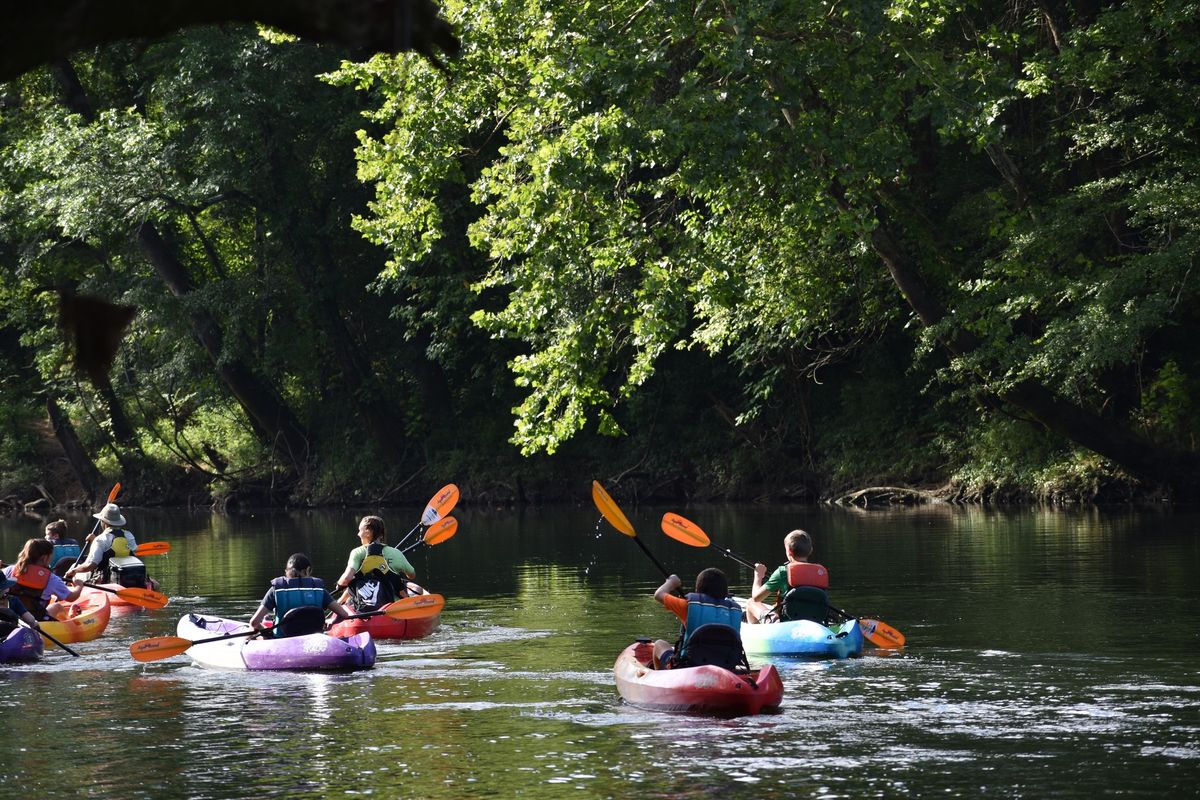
[716,645]
[806,602]
[301,622]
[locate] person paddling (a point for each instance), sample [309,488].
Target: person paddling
[376,574]
[111,553]
[41,592]
[298,601]
[708,606]
[797,588]
[12,610]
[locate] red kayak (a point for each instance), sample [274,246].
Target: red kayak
[383,627]
[698,690]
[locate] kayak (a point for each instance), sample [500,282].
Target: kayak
[803,639]
[23,644]
[119,605]
[698,690]
[313,651]
[384,627]
[85,620]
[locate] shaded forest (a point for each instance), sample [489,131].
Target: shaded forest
[744,251]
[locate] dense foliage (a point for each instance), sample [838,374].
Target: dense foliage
[731,248]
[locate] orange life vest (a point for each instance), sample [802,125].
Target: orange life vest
[801,573]
[30,585]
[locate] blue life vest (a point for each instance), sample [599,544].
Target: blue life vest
[297,592]
[68,548]
[706,610]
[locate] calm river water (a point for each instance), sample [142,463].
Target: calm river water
[1050,654]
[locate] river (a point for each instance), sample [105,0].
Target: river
[1050,654]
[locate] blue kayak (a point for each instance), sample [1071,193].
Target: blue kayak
[803,639]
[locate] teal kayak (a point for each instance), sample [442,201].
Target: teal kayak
[803,639]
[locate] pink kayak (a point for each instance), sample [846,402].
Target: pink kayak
[698,690]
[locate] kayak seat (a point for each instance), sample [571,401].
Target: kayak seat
[806,602]
[715,645]
[301,622]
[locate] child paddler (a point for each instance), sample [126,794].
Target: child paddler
[811,581]
[41,592]
[298,601]
[709,604]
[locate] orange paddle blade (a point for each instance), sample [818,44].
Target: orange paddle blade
[116,490]
[146,598]
[417,607]
[158,647]
[881,634]
[440,504]
[684,530]
[441,530]
[609,510]
[152,549]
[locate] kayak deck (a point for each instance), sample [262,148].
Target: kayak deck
[316,651]
[803,639]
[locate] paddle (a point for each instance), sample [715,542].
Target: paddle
[51,638]
[437,533]
[438,506]
[112,495]
[419,607]
[152,549]
[684,530]
[610,511]
[146,598]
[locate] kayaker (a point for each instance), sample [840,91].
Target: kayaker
[12,609]
[795,573]
[375,574]
[113,542]
[66,551]
[41,592]
[296,589]
[709,604]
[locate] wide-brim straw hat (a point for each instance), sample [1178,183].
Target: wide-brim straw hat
[111,515]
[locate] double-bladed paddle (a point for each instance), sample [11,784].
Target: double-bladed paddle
[418,607]
[610,511]
[152,549]
[684,530]
[437,533]
[146,598]
[438,506]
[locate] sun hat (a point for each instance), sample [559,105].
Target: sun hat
[111,515]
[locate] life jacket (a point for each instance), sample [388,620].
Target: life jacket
[120,547]
[65,549]
[706,610]
[296,593]
[30,585]
[807,598]
[375,584]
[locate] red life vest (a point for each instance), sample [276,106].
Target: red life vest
[30,585]
[801,573]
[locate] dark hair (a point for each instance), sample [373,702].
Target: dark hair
[59,526]
[296,563]
[34,549]
[375,526]
[799,544]
[713,583]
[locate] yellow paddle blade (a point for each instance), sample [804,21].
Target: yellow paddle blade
[152,549]
[608,508]
[440,504]
[417,607]
[441,530]
[158,647]
[684,530]
[881,634]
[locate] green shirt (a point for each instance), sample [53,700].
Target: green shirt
[777,582]
[395,559]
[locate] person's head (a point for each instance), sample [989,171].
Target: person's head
[370,529]
[56,530]
[798,545]
[110,516]
[35,551]
[713,583]
[298,566]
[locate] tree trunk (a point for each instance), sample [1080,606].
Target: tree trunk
[81,464]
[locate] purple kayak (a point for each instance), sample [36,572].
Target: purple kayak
[21,645]
[313,651]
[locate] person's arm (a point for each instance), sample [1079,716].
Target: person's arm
[18,608]
[339,611]
[758,591]
[91,562]
[352,565]
[256,621]
[669,585]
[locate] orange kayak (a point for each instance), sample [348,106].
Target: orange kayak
[697,690]
[383,627]
[119,604]
[86,619]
